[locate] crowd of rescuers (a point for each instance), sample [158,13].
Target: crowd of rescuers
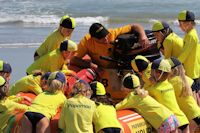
[176,75]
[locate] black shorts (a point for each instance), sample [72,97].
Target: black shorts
[197,120]
[34,118]
[183,127]
[112,130]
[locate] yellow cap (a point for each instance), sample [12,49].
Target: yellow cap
[158,26]
[140,63]
[131,81]
[68,22]
[162,65]
[98,88]
[2,81]
[72,46]
[186,16]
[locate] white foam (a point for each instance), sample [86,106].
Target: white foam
[174,22]
[19,45]
[48,19]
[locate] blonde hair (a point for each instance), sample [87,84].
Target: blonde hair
[80,87]
[54,85]
[186,88]
[141,92]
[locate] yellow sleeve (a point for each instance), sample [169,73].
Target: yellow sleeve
[61,122]
[188,46]
[126,103]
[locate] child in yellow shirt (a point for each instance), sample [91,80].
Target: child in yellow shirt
[182,87]
[164,93]
[45,105]
[160,117]
[105,116]
[8,104]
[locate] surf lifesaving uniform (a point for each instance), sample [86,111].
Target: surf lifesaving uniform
[164,93]
[77,115]
[50,62]
[51,43]
[28,83]
[190,56]
[187,104]
[155,113]
[173,45]
[105,117]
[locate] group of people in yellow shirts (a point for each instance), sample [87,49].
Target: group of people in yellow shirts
[161,93]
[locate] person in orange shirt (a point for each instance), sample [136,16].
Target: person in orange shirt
[97,43]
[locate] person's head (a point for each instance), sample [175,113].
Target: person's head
[5,70]
[176,66]
[99,33]
[161,30]
[99,94]
[67,25]
[186,20]
[139,64]
[131,81]
[81,87]
[44,79]
[56,82]
[160,70]
[67,48]
[3,88]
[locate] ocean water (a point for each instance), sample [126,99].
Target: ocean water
[24,24]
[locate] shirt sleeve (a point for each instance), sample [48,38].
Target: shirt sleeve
[121,30]
[82,47]
[126,103]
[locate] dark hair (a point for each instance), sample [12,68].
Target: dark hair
[103,99]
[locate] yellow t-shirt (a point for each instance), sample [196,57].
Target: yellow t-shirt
[28,83]
[47,103]
[187,104]
[190,56]
[152,111]
[89,46]
[77,114]
[105,117]
[50,62]
[51,43]
[173,45]
[7,108]
[164,93]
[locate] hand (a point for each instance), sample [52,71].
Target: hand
[144,41]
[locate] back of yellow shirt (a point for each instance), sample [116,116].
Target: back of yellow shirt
[51,43]
[105,117]
[47,103]
[50,62]
[77,114]
[187,104]
[173,45]
[164,93]
[154,112]
[28,83]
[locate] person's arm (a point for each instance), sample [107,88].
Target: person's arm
[125,104]
[142,38]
